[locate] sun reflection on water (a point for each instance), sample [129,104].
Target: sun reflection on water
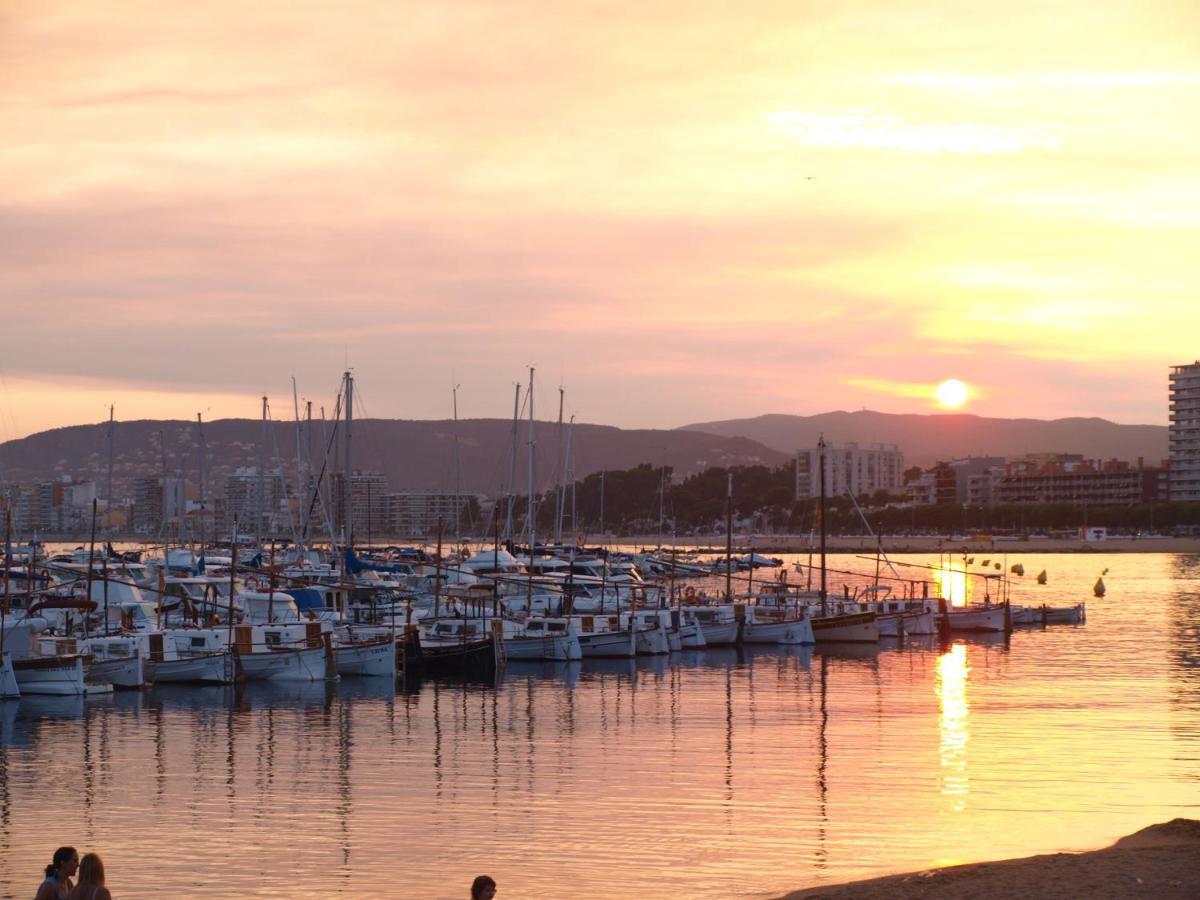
[954,722]
[951,578]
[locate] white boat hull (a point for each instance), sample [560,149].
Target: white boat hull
[57,675]
[126,672]
[1049,615]
[791,631]
[976,619]
[8,679]
[368,659]
[722,634]
[550,647]
[653,642]
[207,668]
[607,644]
[307,664]
[691,636]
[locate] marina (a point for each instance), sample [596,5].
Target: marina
[705,773]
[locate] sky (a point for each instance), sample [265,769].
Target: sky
[679,212]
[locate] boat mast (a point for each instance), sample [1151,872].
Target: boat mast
[512,465]
[109,489]
[821,458]
[729,539]
[532,510]
[7,566]
[457,473]
[347,493]
[558,506]
[200,452]
[301,532]
[568,475]
[261,511]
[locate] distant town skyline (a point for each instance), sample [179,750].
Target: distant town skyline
[679,213]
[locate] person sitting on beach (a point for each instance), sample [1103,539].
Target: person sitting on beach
[58,875]
[91,880]
[483,888]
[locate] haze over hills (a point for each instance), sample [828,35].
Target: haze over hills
[925,439]
[414,455]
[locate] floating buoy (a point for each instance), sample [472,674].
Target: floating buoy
[1105,572]
[1018,569]
[998,567]
[1042,577]
[1098,588]
[987,562]
[971,561]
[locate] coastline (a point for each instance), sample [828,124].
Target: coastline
[786,543]
[1162,861]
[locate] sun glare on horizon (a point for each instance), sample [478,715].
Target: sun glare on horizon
[952,393]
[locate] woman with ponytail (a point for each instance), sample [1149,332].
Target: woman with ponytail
[58,875]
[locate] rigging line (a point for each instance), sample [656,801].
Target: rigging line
[867,524]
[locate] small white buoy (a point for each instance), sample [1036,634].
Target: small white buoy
[1098,588]
[1041,579]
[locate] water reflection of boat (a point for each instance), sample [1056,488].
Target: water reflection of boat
[598,666]
[548,670]
[848,650]
[51,706]
[286,693]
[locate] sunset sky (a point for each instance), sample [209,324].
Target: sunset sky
[678,211]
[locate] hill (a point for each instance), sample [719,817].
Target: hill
[414,455]
[925,439]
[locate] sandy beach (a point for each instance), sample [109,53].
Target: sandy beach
[1162,861]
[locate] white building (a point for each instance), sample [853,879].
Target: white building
[850,468]
[1184,439]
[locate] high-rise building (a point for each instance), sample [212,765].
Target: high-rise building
[246,494]
[368,491]
[416,513]
[859,470]
[1183,472]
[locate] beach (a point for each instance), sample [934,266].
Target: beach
[1162,861]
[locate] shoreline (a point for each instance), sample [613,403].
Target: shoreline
[803,543]
[768,544]
[1161,861]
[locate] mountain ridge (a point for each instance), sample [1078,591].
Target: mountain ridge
[926,438]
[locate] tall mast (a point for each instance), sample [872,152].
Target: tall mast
[348,535]
[200,452]
[108,492]
[729,539]
[457,472]
[558,494]
[532,509]
[300,486]
[512,465]
[821,457]
[602,474]
[261,504]
[570,478]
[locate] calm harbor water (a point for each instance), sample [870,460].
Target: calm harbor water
[711,774]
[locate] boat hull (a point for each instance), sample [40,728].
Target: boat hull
[607,645]
[127,672]
[367,659]
[720,634]
[9,689]
[303,664]
[852,628]
[789,631]
[989,619]
[553,648]
[56,675]
[203,668]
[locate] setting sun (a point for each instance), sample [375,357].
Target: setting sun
[951,393]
